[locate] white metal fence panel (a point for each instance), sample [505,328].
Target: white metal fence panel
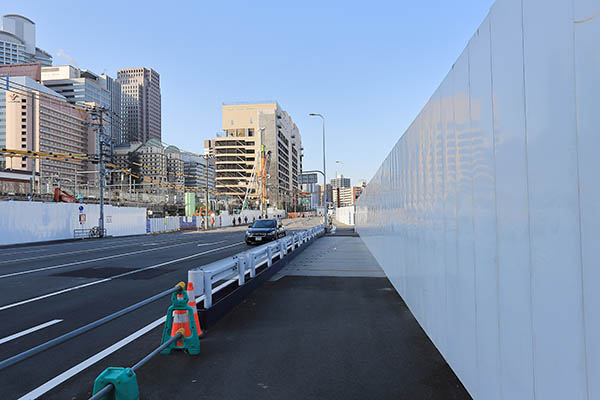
[486,214]
[345,215]
[163,224]
[26,221]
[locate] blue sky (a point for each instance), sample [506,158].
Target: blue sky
[368,66]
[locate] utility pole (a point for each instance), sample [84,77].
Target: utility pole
[206,193]
[101,171]
[324,172]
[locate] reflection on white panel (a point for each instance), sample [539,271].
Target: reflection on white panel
[587,66]
[486,214]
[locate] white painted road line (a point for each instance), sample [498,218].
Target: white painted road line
[208,244]
[64,254]
[54,382]
[90,260]
[135,271]
[30,330]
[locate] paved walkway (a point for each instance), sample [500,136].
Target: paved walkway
[329,327]
[338,256]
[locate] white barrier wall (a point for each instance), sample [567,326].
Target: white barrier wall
[486,213]
[24,221]
[165,224]
[345,215]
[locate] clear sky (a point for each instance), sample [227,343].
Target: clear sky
[367,66]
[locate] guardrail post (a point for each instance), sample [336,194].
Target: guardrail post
[282,248]
[196,276]
[207,290]
[241,267]
[251,264]
[269,255]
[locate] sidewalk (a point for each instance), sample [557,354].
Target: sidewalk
[327,326]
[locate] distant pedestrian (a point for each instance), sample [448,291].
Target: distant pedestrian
[253,219]
[240,220]
[245,220]
[212,221]
[233,221]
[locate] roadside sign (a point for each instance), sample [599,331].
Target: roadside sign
[80,208]
[82,218]
[308,178]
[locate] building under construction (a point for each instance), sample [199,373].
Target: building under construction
[258,156]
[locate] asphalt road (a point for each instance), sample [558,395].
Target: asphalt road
[49,290]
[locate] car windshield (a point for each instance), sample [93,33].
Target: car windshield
[264,223]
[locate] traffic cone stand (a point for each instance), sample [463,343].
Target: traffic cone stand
[192,303]
[179,316]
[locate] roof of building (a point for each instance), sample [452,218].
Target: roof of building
[19,16]
[37,49]
[243,103]
[11,36]
[172,149]
[153,142]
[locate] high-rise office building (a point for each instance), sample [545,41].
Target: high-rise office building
[114,88]
[17,42]
[140,104]
[81,85]
[246,127]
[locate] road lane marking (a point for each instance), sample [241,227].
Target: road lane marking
[91,260]
[36,247]
[57,380]
[30,330]
[208,244]
[64,254]
[135,271]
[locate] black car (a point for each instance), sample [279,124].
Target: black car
[264,230]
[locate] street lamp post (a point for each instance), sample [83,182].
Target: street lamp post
[206,157]
[324,172]
[342,164]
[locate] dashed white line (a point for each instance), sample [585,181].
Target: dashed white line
[90,260]
[30,330]
[63,254]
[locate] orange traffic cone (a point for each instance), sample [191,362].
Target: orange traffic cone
[192,303]
[180,321]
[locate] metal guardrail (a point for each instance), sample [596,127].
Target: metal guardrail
[67,336]
[110,387]
[239,265]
